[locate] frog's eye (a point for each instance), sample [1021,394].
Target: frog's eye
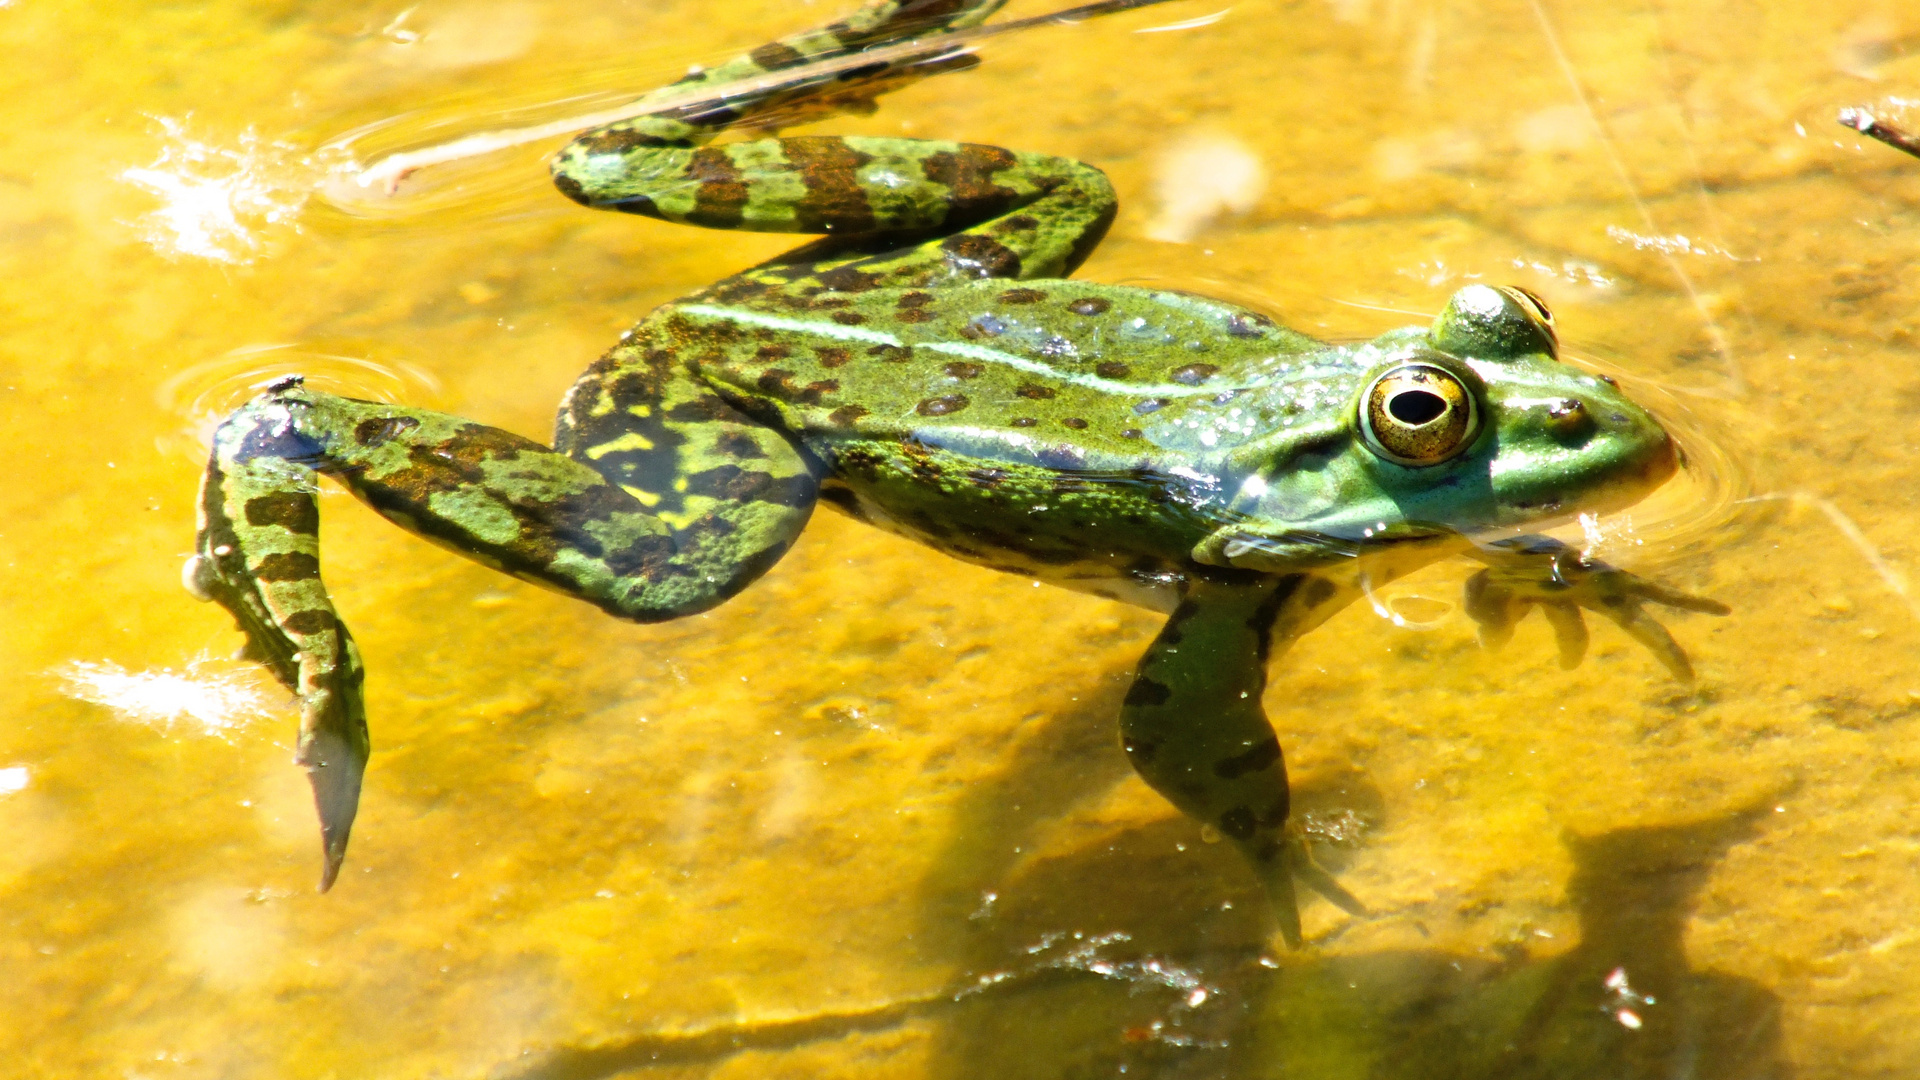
[1489,322]
[1418,414]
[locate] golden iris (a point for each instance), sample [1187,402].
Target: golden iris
[1418,414]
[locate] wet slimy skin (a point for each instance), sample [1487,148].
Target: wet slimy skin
[928,367]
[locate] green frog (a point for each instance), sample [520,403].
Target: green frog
[928,367]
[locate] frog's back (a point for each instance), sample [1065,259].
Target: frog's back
[1022,364]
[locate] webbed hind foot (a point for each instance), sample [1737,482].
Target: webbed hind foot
[1292,862]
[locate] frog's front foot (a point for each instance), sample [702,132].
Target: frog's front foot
[1538,570]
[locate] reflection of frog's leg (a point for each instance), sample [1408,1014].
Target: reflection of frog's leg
[880,22]
[670,516]
[1194,728]
[896,212]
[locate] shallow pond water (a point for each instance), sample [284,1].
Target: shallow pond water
[869,819]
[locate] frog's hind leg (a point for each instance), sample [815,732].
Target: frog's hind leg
[1194,728]
[677,503]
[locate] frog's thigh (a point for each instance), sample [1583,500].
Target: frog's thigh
[547,517]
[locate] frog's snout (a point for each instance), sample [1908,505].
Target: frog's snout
[1663,461]
[1642,453]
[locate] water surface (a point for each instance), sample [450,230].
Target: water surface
[869,819]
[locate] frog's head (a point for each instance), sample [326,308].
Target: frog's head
[1556,440]
[1470,426]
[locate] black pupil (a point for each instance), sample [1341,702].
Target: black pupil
[1416,407]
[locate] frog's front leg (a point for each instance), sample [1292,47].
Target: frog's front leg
[674,503]
[1525,571]
[1194,727]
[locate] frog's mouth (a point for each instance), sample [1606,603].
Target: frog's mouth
[1304,549]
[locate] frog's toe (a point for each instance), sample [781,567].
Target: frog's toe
[1276,878]
[1315,877]
[1674,598]
[335,766]
[1493,609]
[1647,630]
[1294,862]
[1569,631]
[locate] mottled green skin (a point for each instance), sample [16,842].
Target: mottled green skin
[926,368]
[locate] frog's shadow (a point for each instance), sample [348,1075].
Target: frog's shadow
[1145,955]
[1119,997]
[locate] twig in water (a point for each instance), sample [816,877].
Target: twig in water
[1866,124]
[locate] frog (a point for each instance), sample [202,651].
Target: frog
[928,366]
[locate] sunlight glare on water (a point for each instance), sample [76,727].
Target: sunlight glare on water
[218,203]
[219,702]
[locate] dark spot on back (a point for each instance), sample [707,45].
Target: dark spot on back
[1112,369]
[1035,392]
[1151,405]
[1075,423]
[914,300]
[379,430]
[1193,374]
[963,369]
[848,279]
[832,356]
[1248,325]
[1130,433]
[980,256]
[941,406]
[1090,305]
[854,318]
[1022,296]
[845,415]
[775,383]
[1023,421]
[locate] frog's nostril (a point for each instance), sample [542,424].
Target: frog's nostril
[1569,419]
